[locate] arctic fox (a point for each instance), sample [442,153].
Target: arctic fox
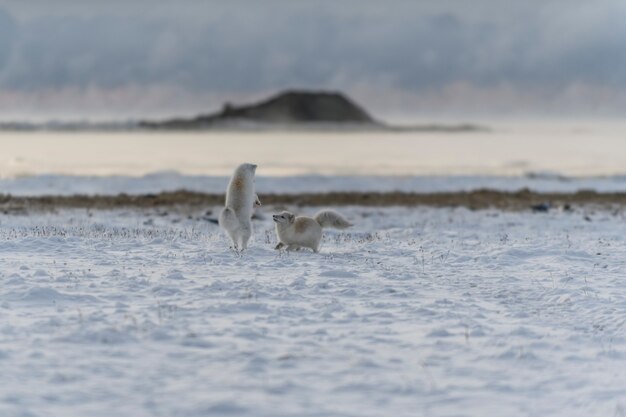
[305,232]
[236,217]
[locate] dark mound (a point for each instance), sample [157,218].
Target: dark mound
[288,108]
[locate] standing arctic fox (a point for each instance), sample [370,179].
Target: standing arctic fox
[236,217]
[305,232]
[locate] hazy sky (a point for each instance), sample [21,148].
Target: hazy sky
[479,58]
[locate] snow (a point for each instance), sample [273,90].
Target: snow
[414,311]
[171,181]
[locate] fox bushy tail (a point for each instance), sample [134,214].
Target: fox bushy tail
[228,219]
[330,218]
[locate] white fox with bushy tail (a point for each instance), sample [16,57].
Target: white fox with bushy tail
[305,232]
[236,217]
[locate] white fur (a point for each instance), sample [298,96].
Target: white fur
[305,232]
[236,217]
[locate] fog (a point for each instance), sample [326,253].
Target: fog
[71,59]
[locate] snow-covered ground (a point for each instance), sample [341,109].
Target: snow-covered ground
[415,311]
[171,181]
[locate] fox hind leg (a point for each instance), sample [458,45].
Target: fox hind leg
[244,236]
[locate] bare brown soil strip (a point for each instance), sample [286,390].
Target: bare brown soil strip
[475,200]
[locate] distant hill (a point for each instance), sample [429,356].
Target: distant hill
[292,109]
[287,108]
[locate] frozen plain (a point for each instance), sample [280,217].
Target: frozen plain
[53,184]
[413,312]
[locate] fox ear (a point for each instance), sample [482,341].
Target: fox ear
[292,217]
